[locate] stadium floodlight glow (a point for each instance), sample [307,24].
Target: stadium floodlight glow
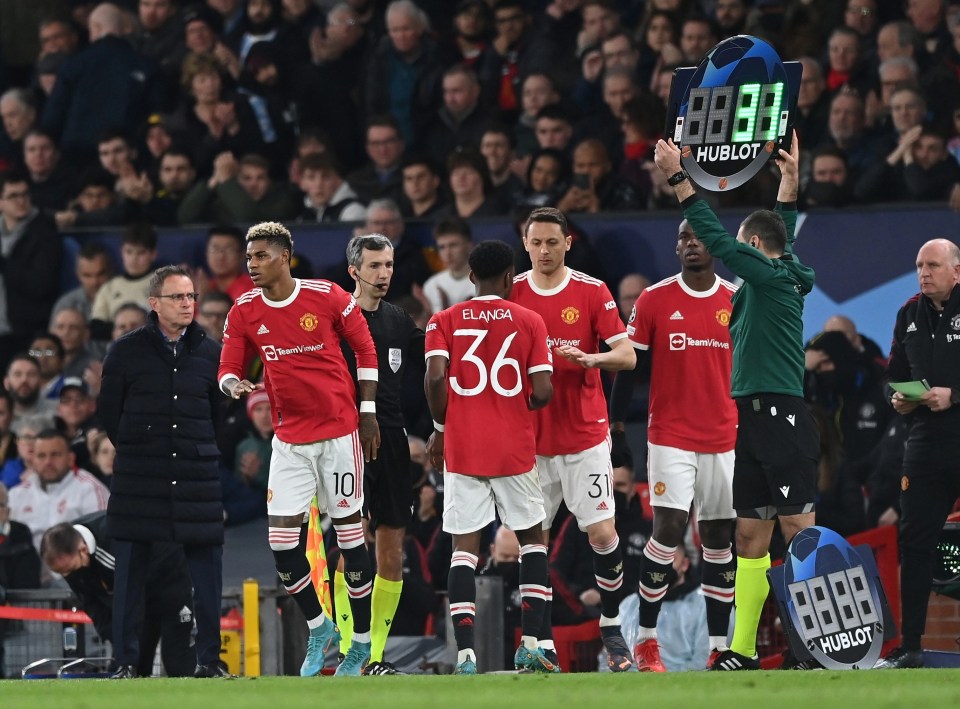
[733,111]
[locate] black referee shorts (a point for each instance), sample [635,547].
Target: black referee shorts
[777,455]
[387,487]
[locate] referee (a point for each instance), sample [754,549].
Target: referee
[926,346]
[388,487]
[778,446]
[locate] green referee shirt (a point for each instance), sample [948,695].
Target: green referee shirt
[767,321]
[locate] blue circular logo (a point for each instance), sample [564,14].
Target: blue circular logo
[734,111]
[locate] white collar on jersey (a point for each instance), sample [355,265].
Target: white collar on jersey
[486,297]
[699,293]
[286,301]
[551,291]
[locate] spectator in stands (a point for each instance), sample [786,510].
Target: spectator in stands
[117,156]
[469,182]
[47,349]
[554,128]
[897,39]
[107,84]
[161,33]
[452,285]
[129,316]
[595,187]
[311,141]
[846,130]
[57,35]
[538,91]
[138,250]
[253,452]
[212,313]
[212,120]
[56,491]
[230,11]
[31,261]
[265,82]
[928,18]
[517,51]
[829,184]
[19,562]
[892,73]
[225,255]
[51,183]
[547,178]
[421,188]
[846,66]
[697,37]
[240,192]
[47,69]
[70,326]
[102,454]
[658,39]
[504,562]
[813,104]
[18,111]
[202,34]
[97,203]
[497,148]
[403,74]
[919,169]
[23,382]
[380,178]
[730,17]
[155,139]
[25,429]
[628,290]
[471,29]
[327,196]
[8,441]
[460,121]
[177,177]
[867,350]
[83,552]
[76,419]
[94,267]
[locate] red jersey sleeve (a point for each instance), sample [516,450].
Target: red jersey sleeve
[436,339]
[234,354]
[352,326]
[540,358]
[609,325]
[641,326]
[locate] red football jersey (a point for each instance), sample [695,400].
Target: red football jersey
[688,334]
[311,391]
[493,347]
[579,312]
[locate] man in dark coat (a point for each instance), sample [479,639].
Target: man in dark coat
[157,401]
[82,552]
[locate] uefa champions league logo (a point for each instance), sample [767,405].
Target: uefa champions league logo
[733,112]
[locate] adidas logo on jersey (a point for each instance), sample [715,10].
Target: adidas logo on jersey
[912,327]
[603,506]
[343,504]
[263,330]
[676,316]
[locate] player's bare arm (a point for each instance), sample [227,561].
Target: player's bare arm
[369,429]
[542,390]
[620,357]
[435,388]
[667,157]
[789,171]
[235,388]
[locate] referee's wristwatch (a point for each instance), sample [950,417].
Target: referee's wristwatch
[676,178]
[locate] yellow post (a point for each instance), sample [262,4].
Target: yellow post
[251,628]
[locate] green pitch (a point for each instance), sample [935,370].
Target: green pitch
[780,690]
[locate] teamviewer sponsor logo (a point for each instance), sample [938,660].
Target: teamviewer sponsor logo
[678,341]
[270,353]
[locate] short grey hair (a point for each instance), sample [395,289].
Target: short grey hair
[893,62]
[160,276]
[370,242]
[411,10]
[386,204]
[32,422]
[23,97]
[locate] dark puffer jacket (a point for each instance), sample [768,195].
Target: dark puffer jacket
[158,411]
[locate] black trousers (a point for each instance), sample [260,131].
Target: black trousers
[204,562]
[926,498]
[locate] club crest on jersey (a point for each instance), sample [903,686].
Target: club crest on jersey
[570,315]
[955,322]
[723,316]
[659,488]
[393,358]
[309,322]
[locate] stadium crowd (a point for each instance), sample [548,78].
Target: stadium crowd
[136,115]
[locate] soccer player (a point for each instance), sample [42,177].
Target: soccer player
[388,489]
[488,366]
[573,447]
[319,448]
[681,325]
[778,446]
